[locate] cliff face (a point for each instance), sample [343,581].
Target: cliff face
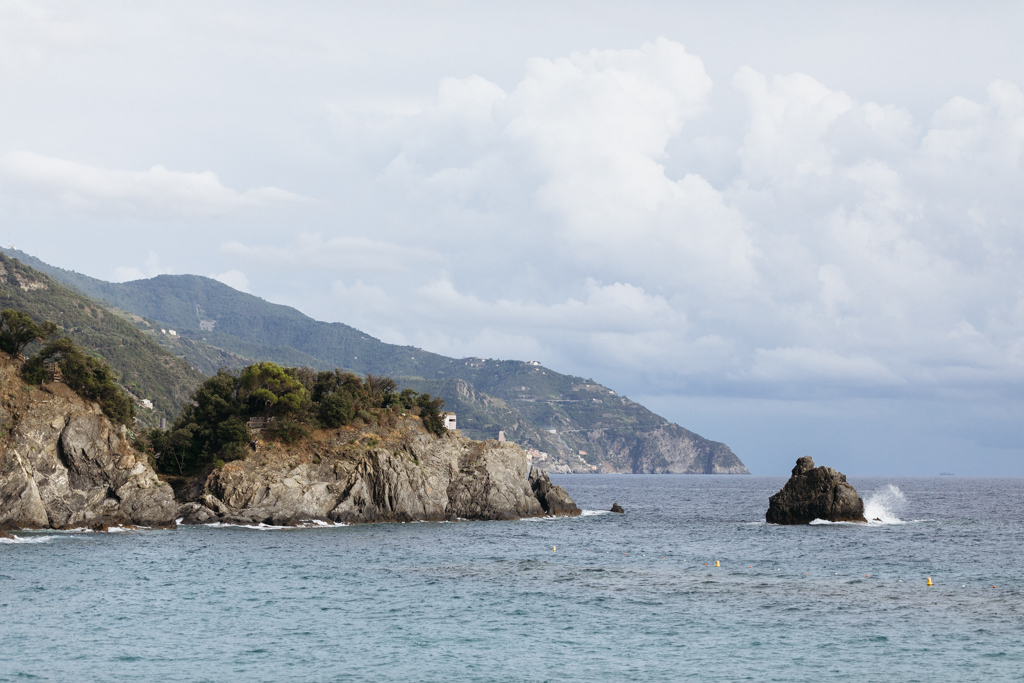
[355,476]
[63,464]
[663,449]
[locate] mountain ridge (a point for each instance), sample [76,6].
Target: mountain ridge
[579,425]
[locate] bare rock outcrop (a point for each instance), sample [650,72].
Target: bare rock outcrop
[553,499]
[63,464]
[815,493]
[352,477]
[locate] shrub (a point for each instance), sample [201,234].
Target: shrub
[88,376]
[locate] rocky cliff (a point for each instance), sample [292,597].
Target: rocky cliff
[355,476]
[63,464]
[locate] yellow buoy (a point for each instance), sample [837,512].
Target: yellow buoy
[717,563]
[552,548]
[929,581]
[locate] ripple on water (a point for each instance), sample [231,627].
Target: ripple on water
[624,597]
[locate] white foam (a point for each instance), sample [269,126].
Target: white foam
[311,524]
[594,513]
[884,505]
[28,539]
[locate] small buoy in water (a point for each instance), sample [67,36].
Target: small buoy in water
[717,563]
[552,548]
[867,576]
[929,581]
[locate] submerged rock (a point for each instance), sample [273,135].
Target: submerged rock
[815,493]
[63,464]
[617,508]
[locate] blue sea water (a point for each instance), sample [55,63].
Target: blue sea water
[621,597]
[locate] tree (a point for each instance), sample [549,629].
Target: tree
[88,376]
[18,330]
[430,413]
[267,388]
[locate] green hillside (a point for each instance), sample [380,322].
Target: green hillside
[582,425]
[143,368]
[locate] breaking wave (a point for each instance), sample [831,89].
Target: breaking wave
[884,505]
[311,524]
[27,539]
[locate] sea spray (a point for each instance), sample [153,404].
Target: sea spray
[884,505]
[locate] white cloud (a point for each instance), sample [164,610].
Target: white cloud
[311,250]
[235,279]
[30,32]
[846,246]
[157,189]
[151,267]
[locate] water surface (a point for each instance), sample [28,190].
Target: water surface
[622,597]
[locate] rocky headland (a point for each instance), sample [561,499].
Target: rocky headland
[63,464]
[356,476]
[815,493]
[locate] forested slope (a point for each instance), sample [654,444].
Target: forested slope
[143,368]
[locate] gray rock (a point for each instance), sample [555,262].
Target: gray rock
[63,464]
[196,513]
[412,476]
[617,508]
[554,499]
[815,493]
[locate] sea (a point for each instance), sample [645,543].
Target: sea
[689,583]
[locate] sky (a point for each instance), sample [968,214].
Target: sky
[795,227]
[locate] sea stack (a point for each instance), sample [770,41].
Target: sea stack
[815,493]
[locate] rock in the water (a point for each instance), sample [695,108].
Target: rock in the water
[617,508]
[554,499]
[64,465]
[815,493]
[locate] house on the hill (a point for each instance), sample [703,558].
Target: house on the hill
[449,421]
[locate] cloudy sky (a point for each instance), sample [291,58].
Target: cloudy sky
[796,227]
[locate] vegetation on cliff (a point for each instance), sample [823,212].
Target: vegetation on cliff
[87,375]
[284,404]
[142,367]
